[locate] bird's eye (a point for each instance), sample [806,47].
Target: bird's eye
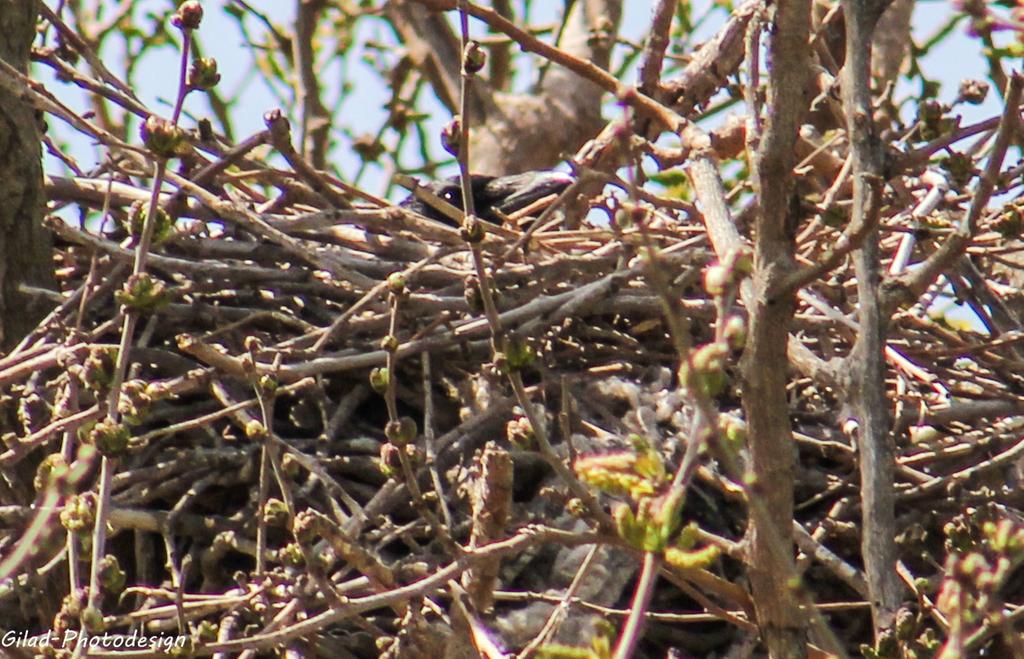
[448,195]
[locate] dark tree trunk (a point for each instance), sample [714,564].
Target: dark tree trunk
[25,247]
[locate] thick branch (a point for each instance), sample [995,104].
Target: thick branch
[867,361]
[765,362]
[24,245]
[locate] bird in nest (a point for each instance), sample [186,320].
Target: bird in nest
[493,196]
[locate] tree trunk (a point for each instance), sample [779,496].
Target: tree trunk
[25,247]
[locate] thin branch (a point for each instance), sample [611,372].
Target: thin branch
[914,282]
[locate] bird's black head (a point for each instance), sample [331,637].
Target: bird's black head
[507,194]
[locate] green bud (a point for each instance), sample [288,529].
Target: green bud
[98,370]
[268,384]
[692,560]
[451,136]
[143,293]
[735,332]
[379,379]
[305,528]
[706,371]
[275,513]
[255,430]
[973,91]
[520,354]
[206,631]
[396,283]
[520,433]
[79,514]
[626,525]
[734,431]
[203,74]
[740,260]
[112,577]
[472,231]
[109,437]
[717,280]
[474,59]
[189,16]
[52,471]
[291,556]
[290,466]
[135,402]
[163,138]
[391,461]
[960,168]
[92,620]
[401,432]
[135,223]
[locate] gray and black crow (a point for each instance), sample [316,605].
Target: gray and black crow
[507,194]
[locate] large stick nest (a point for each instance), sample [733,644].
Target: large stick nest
[256,416]
[283,314]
